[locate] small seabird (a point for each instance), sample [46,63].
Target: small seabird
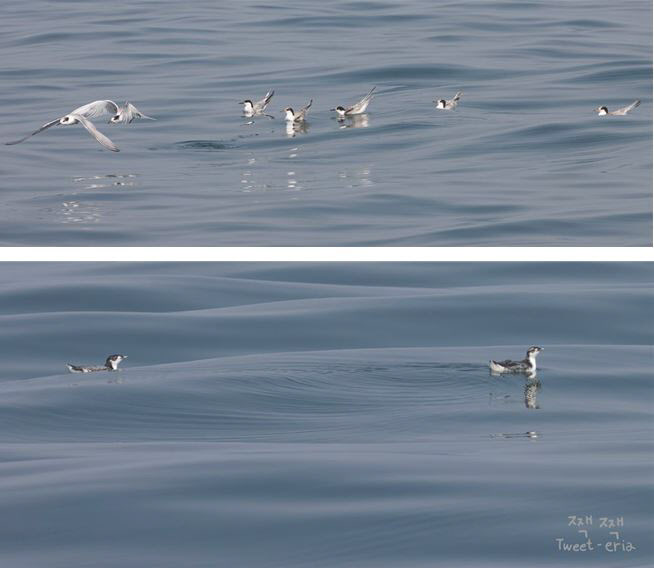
[603,111]
[82,115]
[127,113]
[251,108]
[299,116]
[527,365]
[443,104]
[358,108]
[111,364]
[519,435]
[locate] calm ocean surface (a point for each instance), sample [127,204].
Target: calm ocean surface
[321,415]
[522,161]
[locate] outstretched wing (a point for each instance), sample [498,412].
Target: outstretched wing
[626,109]
[129,112]
[93,131]
[301,114]
[362,105]
[456,97]
[263,103]
[96,108]
[44,127]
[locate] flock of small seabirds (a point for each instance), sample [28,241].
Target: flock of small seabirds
[526,366]
[126,113]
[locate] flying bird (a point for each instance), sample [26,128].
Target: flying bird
[127,113]
[83,115]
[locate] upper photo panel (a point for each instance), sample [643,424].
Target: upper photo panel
[304,123]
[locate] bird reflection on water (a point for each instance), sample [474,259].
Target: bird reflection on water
[355,121]
[295,128]
[531,389]
[79,211]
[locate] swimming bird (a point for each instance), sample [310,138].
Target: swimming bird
[527,365]
[358,108]
[111,364]
[443,104]
[251,108]
[298,116]
[603,111]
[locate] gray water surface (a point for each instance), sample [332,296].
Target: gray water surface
[523,161]
[321,415]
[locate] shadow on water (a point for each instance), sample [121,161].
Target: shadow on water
[203,145]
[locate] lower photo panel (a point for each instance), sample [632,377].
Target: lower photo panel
[326,414]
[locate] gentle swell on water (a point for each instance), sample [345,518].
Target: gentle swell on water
[524,160]
[294,415]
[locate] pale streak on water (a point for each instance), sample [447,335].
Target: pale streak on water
[323,415]
[523,161]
